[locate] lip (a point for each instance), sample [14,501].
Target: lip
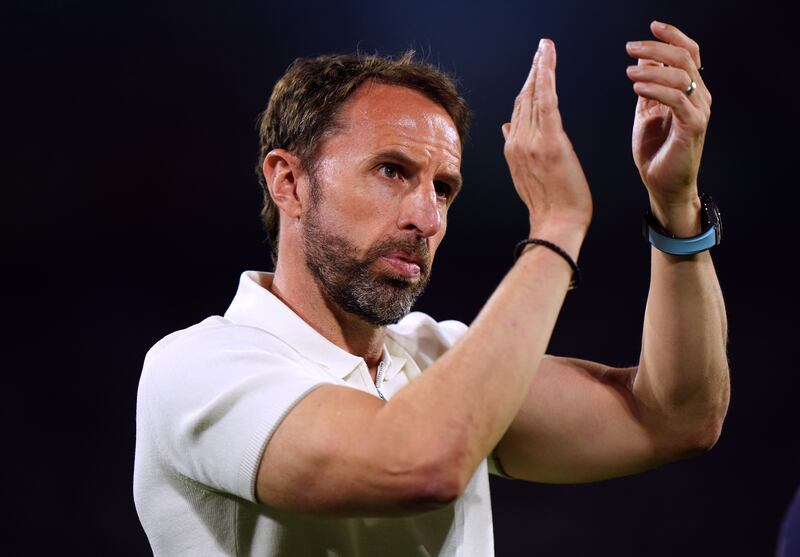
[407,264]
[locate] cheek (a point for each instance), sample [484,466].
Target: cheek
[358,198]
[437,239]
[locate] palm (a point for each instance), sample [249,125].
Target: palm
[666,153]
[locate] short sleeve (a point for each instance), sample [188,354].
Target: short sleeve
[452,331]
[425,339]
[212,396]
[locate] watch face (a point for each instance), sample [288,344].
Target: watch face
[719,224]
[712,215]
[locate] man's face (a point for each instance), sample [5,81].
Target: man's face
[379,200]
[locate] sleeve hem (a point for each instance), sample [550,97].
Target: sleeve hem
[248,471]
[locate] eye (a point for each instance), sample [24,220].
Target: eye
[443,189]
[391,171]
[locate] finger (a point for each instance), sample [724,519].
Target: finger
[530,81]
[672,35]
[701,93]
[522,104]
[667,76]
[647,62]
[678,101]
[664,53]
[697,78]
[674,56]
[662,75]
[546,114]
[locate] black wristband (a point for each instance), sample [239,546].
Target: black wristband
[576,272]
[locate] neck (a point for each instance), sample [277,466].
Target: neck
[305,297]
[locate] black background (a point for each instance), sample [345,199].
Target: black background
[131,208]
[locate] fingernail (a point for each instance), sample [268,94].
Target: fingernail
[659,24]
[634,45]
[543,45]
[634,70]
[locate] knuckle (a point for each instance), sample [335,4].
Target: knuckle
[694,47]
[695,126]
[547,104]
[686,58]
[546,151]
[685,79]
[533,150]
[513,148]
[552,151]
[697,122]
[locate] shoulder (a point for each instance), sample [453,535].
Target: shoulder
[217,350]
[213,334]
[211,395]
[423,336]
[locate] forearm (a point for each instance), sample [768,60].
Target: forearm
[467,399]
[464,403]
[682,376]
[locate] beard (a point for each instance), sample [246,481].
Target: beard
[379,298]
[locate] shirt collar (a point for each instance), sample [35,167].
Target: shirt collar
[393,364]
[254,305]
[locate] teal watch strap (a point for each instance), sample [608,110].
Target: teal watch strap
[711,235]
[683,246]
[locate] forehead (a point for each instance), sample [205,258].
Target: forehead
[381,115]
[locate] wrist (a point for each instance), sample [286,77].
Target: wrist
[568,237]
[679,218]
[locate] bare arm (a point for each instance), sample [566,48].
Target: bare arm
[683,368]
[342,452]
[584,421]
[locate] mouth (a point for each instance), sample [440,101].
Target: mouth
[406,263]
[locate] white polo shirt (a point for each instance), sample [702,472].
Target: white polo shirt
[209,399]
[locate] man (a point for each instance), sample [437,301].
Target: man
[306,422]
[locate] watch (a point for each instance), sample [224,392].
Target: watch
[711,235]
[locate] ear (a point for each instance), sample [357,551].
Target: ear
[282,169]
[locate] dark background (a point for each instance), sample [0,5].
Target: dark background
[131,208]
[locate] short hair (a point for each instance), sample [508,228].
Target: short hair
[304,103]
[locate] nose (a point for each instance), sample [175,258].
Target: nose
[421,210]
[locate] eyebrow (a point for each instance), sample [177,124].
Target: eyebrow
[402,158]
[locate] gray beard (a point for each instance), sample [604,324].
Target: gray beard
[379,299]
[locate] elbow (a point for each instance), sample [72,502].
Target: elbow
[435,481]
[439,489]
[695,428]
[700,437]
[704,439]
[709,429]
